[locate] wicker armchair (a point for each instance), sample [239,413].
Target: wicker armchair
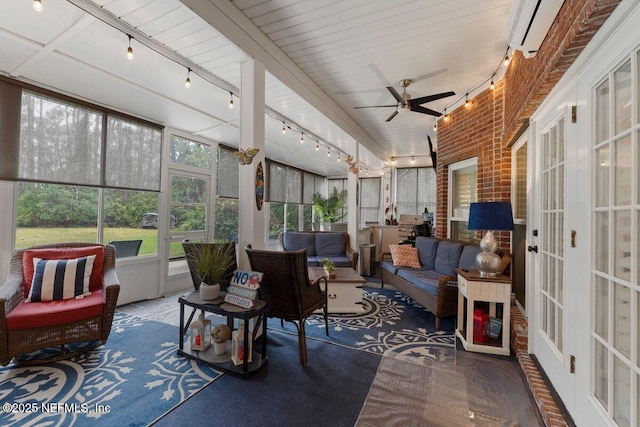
[15,342]
[289,293]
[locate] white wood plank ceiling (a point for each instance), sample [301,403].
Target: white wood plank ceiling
[323,58]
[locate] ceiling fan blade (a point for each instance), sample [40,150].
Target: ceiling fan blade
[376,106]
[429,75]
[395,113]
[395,94]
[430,98]
[433,153]
[423,110]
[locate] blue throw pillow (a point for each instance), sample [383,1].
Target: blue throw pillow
[427,248]
[330,244]
[468,257]
[448,257]
[60,279]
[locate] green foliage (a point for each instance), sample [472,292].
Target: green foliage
[211,261]
[328,265]
[329,209]
[226,219]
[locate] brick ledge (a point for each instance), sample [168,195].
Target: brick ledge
[551,413]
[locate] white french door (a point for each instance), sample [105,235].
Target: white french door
[550,322]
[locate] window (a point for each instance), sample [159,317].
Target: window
[415,190]
[84,173]
[228,175]
[340,185]
[290,194]
[462,192]
[369,199]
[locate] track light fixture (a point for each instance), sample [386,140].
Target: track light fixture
[231,100]
[37,5]
[129,49]
[187,83]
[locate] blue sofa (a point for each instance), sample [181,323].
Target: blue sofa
[435,284]
[319,245]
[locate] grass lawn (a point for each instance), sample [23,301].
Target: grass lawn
[27,237]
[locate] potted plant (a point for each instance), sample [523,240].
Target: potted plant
[329,209]
[211,262]
[329,267]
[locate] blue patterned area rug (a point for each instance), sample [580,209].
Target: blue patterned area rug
[131,381]
[390,322]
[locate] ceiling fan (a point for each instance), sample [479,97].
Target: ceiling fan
[405,103]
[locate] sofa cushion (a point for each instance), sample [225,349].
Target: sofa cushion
[448,256]
[95,282]
[388,265]
[338,260]
[60,279]
[330,244]
[427,248]
[50,313]
[468,257]
[294,241]
[404,256]
[426,280]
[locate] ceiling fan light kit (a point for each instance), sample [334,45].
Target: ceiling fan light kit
[405,103]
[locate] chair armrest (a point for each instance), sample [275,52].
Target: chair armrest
[317,282]
[353,256]
[446,281]
[11,293]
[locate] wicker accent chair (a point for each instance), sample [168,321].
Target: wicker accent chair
[18,341]
[289,293]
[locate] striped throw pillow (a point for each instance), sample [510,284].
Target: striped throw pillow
[405,256]
[60,279]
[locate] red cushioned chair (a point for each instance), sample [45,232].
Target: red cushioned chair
[29,326]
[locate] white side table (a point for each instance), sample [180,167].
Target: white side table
[497,292]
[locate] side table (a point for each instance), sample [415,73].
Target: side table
[230,311]
[497,292]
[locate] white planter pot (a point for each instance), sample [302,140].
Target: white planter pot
[220,347]
[209,292]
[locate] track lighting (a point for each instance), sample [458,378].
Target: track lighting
[37,5]
[187,83]
[231,101]
[129,49]
[302,138]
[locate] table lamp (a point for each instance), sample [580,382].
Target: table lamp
[489,216]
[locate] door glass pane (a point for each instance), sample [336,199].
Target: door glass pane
[124,218]
[601,308]
[622,244]
[602,241]
[561,140]
[622,319]
[559,317]
[602,176]
[621,393]
[623,172]
[602,112]
[188,203]
[520,208]
[622,109]
[601,370]
[226,219]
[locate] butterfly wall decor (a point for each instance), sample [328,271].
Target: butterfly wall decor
[246,156]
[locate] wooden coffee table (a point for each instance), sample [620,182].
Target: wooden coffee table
[344,292]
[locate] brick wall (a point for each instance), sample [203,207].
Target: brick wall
[496,117]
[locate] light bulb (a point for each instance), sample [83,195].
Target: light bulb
[317,147]
[413,159]
[302,138]
[492,86]
[187,83]
[338,157]
[129,49]
[37,5]
[231,101]
[506,61]
[283,129]
[328,153]
[435,127]
[467,104]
